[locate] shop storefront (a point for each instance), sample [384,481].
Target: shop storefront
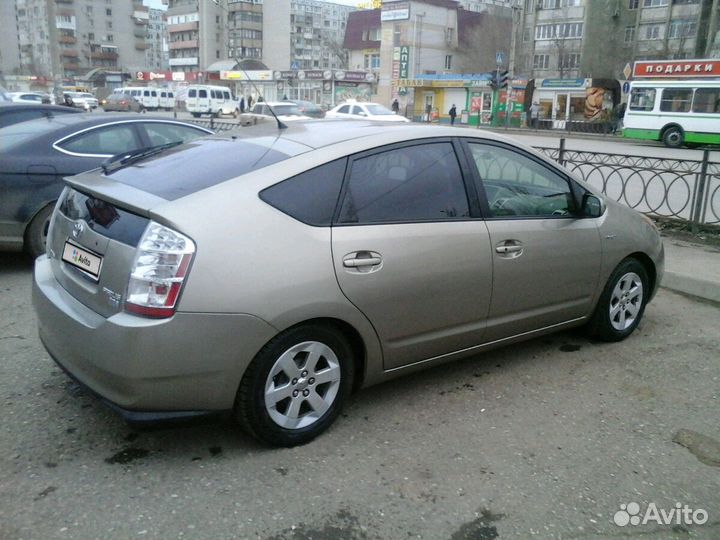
[572,103]
[470,93]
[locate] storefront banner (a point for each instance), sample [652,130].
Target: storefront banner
[677,68]
[563,83]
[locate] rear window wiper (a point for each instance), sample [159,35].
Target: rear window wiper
[124,159]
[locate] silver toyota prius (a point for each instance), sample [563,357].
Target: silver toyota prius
[272,272]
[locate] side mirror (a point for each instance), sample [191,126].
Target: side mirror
[592,206]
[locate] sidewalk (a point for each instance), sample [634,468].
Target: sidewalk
[692,268]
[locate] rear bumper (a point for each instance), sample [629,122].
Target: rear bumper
[192,362]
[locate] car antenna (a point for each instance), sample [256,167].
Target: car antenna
[280,124]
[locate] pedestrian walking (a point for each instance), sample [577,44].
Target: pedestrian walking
[453,114]
[241,104]
[395,106]
[249,102]
[428,111]
[534,113]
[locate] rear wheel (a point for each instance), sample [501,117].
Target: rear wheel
[294,388]
[673,137]
[622,303]
[36,233]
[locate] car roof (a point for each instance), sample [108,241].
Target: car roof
[83,120]
[319,133]
[22,106]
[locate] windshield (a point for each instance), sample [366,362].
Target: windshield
[378,110]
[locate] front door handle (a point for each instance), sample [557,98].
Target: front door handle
[355,263]
[509,249]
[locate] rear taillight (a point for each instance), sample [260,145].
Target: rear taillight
[158,272]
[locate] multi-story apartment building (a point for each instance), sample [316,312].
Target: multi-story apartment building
[583,38]
[156,54]
[63,38]
[304,34]
[317,31]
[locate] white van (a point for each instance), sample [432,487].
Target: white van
[212,100]
[166,99]
[146,96]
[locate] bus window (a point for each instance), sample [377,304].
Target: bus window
[707,100]
[676,99]
[642,99]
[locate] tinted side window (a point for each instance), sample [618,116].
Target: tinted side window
[345,109]
[170,94]
[226,95]
[414,183]
[516,185]
[311,196]
[191,92]
[159,133]
[153,93]
[109,140]
[202,93]
[146,93]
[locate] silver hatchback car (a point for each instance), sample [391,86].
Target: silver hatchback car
[272,272]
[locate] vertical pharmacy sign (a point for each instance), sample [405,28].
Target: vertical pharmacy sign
[404,62]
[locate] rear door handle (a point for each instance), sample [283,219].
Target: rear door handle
[508,249]
[363,262]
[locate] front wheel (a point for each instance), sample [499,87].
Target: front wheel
[622,303]
[673,137]
[294,388]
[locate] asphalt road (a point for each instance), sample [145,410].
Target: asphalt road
[545,439]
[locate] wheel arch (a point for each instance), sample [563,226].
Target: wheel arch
[649,267]
[354,340]
[671,125]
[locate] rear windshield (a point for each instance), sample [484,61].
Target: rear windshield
[198,165]
[18,133]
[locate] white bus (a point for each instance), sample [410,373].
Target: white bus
[675,112]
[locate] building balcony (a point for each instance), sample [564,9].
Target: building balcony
[140,32]
[64,1]
[70,66]
[184,27]
[67,39]
[142,45]
[69,53]
[106,55]
[140,16]
[188,44]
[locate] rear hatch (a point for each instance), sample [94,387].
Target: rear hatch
[93,238]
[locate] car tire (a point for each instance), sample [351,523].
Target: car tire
[301,407]
[673,137]
[622,302]
[36,232]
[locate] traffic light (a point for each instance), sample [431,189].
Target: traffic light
[502,80]
[499,80]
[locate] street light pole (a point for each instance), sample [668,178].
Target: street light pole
[511,65]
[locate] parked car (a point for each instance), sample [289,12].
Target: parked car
[286,111]
[166,99]
[308,108]
[37,154]
[122,102]
[212,100]
[270,272]
[31,97]
[81,100]
[14,112]
[364,111]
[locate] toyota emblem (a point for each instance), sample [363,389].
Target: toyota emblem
[78,229]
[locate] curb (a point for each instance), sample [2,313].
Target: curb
[702,288]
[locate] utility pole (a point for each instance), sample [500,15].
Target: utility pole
[511,65]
